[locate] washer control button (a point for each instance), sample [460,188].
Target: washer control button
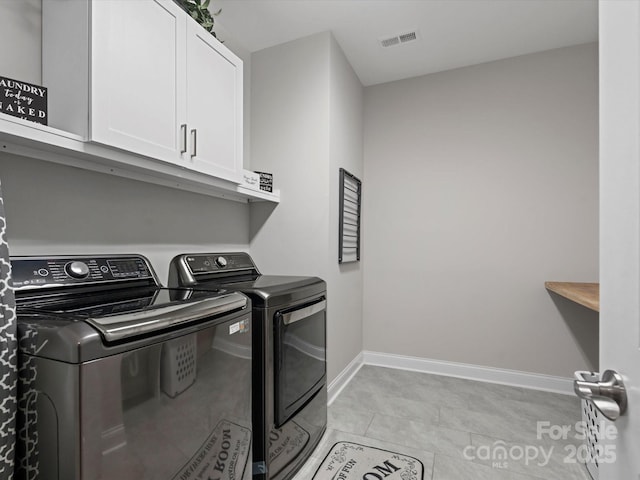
[221,262]
[43,272]
[77,269]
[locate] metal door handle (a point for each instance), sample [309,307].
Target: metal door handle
[609,394]
[183,138]
[301,314]
[194,142]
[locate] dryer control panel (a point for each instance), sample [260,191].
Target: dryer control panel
[190,269]
[218,262]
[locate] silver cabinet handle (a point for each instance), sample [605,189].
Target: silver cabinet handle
[609,394]
[297,315]
[194,142]
[183,138]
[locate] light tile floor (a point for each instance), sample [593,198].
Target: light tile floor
[452,425]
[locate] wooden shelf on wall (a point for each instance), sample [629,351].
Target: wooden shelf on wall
[585,294]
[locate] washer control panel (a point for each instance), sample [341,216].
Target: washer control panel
[38,272]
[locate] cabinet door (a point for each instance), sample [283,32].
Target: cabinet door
[137,76]
[214,106]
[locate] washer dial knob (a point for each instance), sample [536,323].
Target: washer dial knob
[221,262]
[77,269]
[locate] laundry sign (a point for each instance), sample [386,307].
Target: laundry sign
[23,100]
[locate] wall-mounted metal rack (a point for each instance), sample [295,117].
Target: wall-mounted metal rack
[350,210]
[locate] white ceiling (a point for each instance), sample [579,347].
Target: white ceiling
[452,33]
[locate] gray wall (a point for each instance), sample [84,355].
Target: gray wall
[346,98]
[306,123]
[52,209]
[480,184]
[290,138]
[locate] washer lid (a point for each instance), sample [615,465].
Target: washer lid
[85,327]
[121,326]
[131,313]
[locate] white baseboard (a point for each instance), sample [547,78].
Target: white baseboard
[343,378]
[513,378]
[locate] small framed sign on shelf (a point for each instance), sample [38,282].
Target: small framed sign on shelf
[23,100]
[350,213]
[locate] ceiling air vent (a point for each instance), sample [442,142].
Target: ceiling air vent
[388,42]
[399,39]
[408,37]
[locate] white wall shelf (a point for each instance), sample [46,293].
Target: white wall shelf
[28,139]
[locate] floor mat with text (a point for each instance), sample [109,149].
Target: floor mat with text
[351,461]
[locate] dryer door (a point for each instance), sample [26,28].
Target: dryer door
[300,341]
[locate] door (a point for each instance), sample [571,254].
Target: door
[300,356]
[137,76]
[620,223]
[214,106]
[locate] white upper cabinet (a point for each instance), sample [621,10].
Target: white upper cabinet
[153,82]
[214,104]
[137,76]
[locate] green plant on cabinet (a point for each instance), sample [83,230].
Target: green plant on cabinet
[199,11]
